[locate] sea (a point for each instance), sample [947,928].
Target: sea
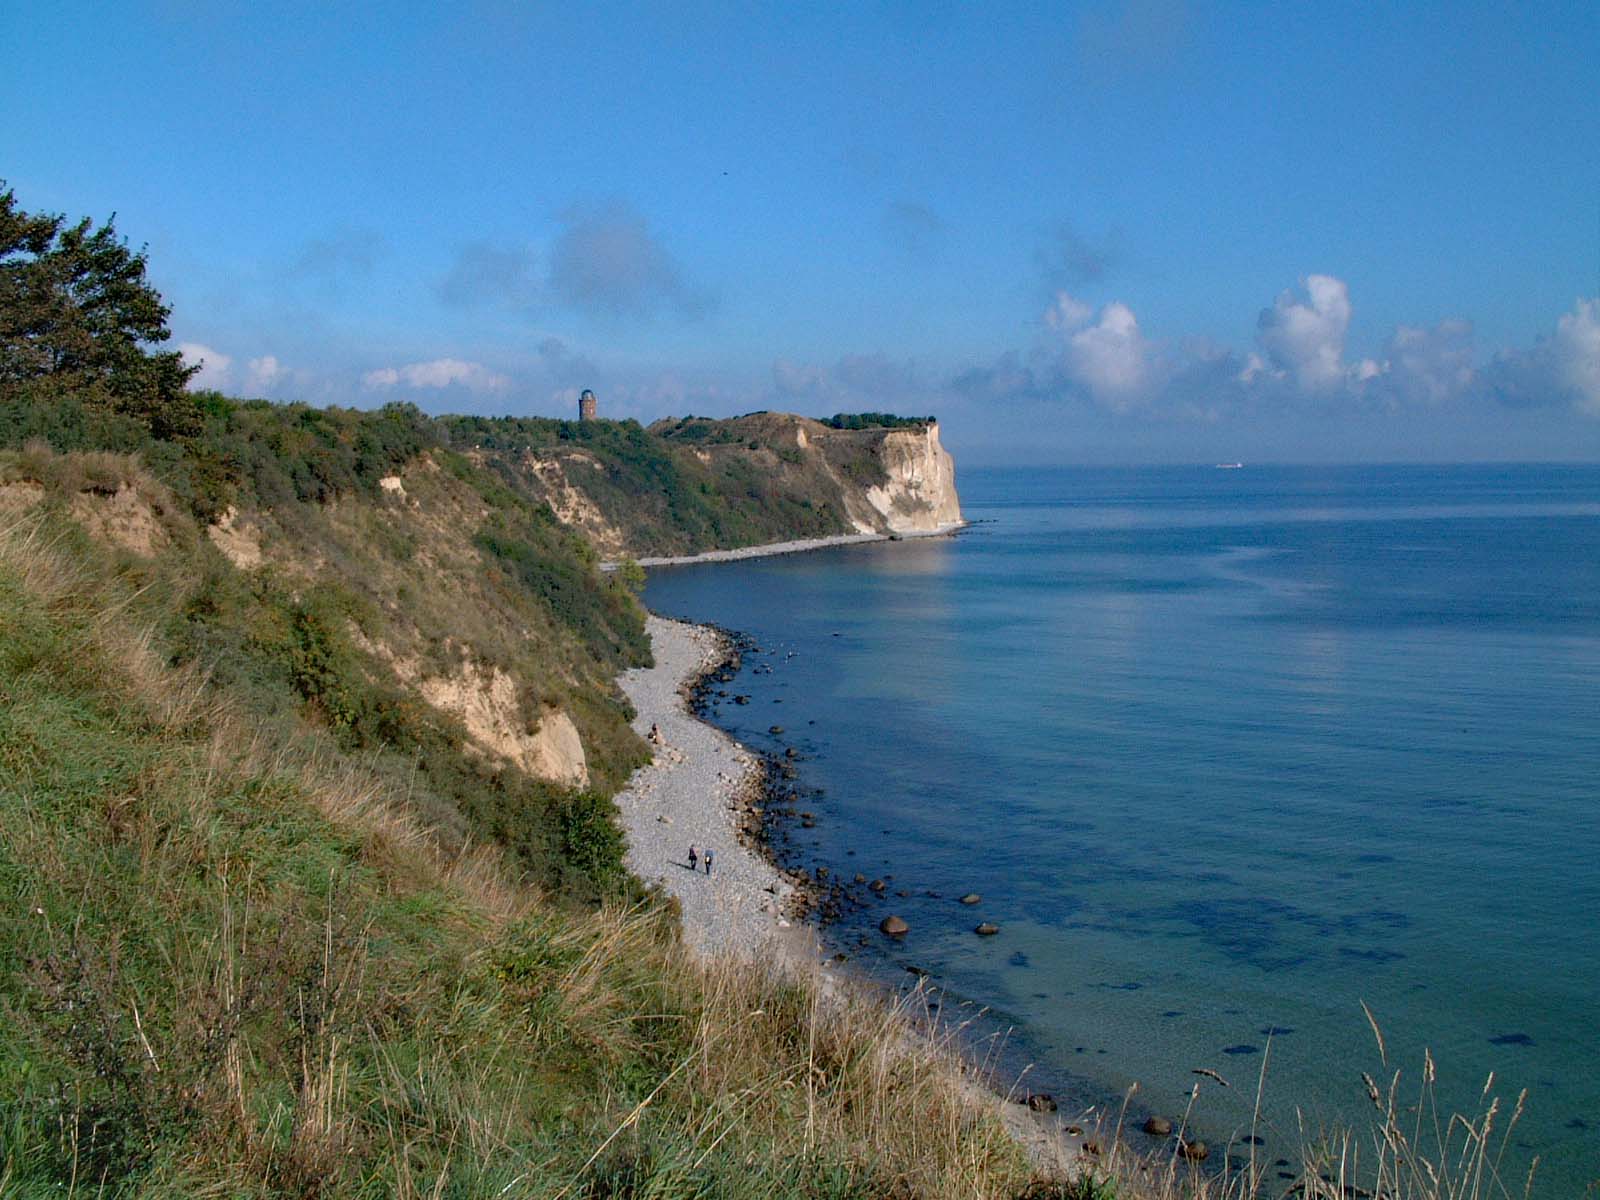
[1285,774]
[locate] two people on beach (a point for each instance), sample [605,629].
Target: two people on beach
[693,858]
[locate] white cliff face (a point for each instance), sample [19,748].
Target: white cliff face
[920,494]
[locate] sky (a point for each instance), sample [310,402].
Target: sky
[1108,232]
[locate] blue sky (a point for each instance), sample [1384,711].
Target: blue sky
[1108,232]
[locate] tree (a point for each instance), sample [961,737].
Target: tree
[78,318]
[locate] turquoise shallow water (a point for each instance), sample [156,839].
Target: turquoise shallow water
[1224,752]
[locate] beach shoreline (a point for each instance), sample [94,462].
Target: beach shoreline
[797,546]
[699,790]
[704,788]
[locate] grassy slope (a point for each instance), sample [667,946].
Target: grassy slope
[236,964]
[308,642]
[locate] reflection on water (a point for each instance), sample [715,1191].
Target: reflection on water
[1224,752]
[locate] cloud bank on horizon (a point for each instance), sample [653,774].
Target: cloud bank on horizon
[1299,359]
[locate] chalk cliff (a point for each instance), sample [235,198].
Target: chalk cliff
[918,493]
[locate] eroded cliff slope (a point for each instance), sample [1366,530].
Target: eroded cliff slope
[692,484]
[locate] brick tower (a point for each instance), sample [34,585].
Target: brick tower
[586,406]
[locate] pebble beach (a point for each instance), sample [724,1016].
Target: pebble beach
[692,795]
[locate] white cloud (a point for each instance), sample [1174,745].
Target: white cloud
[439,373]
[265,371]
[1426,366]
[1106,356]
[1255,367]
[1577,353]
[213,365]
[1067,313]
[1563,368]
[261,376]
[1306,339]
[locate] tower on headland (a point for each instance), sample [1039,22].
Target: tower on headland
[586,405]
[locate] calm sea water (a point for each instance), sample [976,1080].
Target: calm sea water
[1225,752]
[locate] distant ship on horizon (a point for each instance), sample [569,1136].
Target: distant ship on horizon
[1229,466]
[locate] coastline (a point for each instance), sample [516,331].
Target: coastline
[704,788]
[698,790]
[798,546]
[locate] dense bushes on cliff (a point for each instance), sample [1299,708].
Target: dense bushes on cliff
[875,420]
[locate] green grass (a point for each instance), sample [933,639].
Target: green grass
[232,967]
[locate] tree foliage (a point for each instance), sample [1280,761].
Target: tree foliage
[79,318]
[876,420]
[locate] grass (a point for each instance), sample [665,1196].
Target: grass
[231,969]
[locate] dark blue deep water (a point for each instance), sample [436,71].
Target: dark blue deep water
[1224,752]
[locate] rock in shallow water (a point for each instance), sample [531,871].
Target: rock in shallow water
[1158,1127]
[987,929]
[894,926]
[971,898]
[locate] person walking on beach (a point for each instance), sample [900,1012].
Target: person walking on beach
[693,863]
[708,860]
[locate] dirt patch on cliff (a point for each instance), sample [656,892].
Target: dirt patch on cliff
[571,505]
[240,544]
[485,700]
[125,517]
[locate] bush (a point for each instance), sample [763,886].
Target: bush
[591,839]
[876,420]
[598,608]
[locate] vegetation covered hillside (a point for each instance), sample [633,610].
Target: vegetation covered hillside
[238,958]
[694,483]
[311,885]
